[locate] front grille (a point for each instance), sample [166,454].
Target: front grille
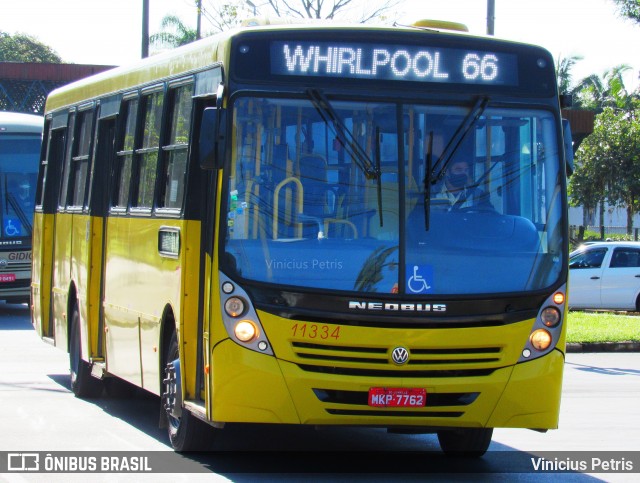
[13,267]
[347,371]
[376,361]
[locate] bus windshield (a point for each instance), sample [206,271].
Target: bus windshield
[19,155]
[307,209]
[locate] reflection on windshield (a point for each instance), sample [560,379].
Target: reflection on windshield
[303,212]
[18,174]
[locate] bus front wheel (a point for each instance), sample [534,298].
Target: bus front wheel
[186,432]
[83,384]
[465,442]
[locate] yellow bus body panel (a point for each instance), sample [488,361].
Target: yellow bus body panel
[140,284]
[61,280]
[253,387]
[41,272]
[532,397]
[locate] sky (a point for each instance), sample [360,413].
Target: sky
[108,32]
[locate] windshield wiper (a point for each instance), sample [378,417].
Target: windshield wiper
[456,140]
[349,142]
[344,136]
[378,169]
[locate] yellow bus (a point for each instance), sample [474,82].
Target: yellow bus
[20,141]
[251,227]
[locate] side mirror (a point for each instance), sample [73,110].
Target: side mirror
[211,137]
[207,140]
[568,146]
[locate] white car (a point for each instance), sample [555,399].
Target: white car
[605,275]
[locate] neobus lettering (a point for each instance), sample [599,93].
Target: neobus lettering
[340,60]
[397,307]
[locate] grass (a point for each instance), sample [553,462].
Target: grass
[602,327]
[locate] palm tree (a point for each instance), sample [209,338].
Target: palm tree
[563,72]
[175,33]
[595,93]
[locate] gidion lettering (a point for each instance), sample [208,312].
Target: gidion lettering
[397,307]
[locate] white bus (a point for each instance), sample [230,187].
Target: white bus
[20,140]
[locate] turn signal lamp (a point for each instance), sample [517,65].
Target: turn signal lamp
[558,298]
[540,339]
[245,331]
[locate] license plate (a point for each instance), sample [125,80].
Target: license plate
[397,397]
[7,277]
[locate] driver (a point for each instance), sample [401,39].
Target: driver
[457,190]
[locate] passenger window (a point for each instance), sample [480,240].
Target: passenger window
[125,155]
[80,159]
[62,200]
[147,153]
[175,152]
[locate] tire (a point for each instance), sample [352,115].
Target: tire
[83,384]
[186,433]
[465,442]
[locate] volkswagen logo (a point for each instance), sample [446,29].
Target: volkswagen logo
[3,263]
[400,355]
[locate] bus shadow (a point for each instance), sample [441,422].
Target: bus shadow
[136,407]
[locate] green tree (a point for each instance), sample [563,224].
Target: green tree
[174,33]
[595,92]
[608,163]
[25,48]
[563,73]
[629,9]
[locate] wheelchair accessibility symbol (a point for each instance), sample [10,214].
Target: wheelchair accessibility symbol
[12,227]
[420,279]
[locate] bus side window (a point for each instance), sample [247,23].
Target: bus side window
[147,152]
[175,152]
[66,164]
[47,148]
[124,160]
[80,159]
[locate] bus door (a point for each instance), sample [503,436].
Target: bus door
[96,226]
[61,246]
[72,236]
[47,196]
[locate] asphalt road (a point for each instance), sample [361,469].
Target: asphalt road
[599,418]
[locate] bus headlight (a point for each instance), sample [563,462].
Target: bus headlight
[240,318]
[540,339]
[547,329]
[245,331]
[550,316]
[234,307]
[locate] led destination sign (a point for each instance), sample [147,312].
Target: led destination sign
[393,62]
